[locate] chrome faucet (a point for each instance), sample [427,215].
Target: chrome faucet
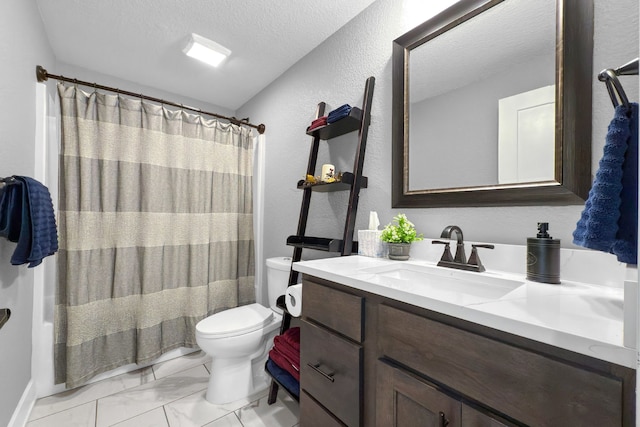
[459,261]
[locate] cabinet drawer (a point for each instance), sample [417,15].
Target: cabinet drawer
[312,414]
[530,387]
[334,309]
[331,372]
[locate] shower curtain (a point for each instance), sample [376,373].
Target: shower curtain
[156,230]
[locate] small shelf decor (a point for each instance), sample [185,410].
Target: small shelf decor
[399,237]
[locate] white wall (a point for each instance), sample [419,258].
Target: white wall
[335,72]
[23,45]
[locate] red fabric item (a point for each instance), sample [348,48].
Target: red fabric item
[320,121]
[286,350]
[292,337]
[286,364]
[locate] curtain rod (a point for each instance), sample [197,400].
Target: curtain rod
[42,75]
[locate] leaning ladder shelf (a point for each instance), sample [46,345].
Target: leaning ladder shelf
[357,120]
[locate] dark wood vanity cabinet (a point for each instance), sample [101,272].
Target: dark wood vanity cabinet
[393,364]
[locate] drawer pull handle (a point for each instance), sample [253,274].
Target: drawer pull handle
[444,422]
[316,368]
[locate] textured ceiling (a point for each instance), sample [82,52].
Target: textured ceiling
[142,40]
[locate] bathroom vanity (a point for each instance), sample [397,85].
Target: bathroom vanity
[380,346]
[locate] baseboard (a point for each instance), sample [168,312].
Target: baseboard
[23,410]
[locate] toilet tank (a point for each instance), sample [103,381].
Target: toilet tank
[278,269]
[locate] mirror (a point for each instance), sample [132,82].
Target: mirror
[490,109]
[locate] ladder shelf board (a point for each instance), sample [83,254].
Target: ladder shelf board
[341,127]
[344,185]
[319,243]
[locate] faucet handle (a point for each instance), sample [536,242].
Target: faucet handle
[446,255]
[474,259]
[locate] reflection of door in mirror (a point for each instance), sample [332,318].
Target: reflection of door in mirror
[457,81]
[526,136]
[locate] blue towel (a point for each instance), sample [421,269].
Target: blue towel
[609,221]
[11,211]
[339,113]
[283,377]
[27,217]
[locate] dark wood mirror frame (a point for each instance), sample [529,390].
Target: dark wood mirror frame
[574,53]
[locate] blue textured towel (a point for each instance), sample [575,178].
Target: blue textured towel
[339,113]
[26,217]
[609,222]
[11,211]
[283,377]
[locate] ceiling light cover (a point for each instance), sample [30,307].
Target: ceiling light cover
[206,50]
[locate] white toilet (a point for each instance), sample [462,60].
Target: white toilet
[239,340]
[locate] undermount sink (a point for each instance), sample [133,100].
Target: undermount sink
[442,283]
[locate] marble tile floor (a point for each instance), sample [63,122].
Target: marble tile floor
[167,394]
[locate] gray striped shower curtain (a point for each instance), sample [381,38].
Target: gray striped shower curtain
[156,230]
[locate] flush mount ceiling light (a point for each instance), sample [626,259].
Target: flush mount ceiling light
[205,50]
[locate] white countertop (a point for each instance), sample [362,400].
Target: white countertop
[579,317]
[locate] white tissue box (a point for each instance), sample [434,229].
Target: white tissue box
[369,244]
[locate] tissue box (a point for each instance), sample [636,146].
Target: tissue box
[369,244]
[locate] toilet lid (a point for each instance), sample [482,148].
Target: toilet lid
[236,321]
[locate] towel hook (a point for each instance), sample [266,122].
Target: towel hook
[610,77]
[614,87]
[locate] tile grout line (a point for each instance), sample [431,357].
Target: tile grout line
[164,410]
[95,419]
[238,418]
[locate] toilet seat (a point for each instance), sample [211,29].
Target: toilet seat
[235,321]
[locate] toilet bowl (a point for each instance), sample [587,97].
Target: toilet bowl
[239,339]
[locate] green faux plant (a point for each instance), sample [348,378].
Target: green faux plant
[403,231]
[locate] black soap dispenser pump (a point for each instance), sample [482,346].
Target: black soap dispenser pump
[543,256]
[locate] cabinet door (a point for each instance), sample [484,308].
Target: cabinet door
[404,400]
[474,418]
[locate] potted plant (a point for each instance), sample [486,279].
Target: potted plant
[399,237]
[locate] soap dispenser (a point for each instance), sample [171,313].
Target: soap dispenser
[543,256]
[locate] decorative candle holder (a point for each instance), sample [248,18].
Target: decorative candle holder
[328,171]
